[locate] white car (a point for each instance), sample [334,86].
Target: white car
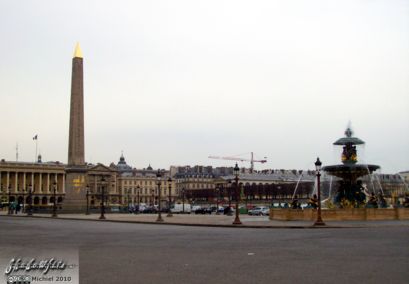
[178,208]
[259,211]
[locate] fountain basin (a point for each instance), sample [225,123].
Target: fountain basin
[338,214]
[351,171]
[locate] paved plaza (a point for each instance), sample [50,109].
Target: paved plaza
[115,252]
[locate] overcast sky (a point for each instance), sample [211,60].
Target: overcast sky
[172,82]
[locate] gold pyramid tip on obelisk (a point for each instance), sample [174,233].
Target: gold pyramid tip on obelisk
[78,52]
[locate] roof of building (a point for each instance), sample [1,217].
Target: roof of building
[122,166]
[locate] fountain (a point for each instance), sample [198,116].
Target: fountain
[351,192]
[351,195]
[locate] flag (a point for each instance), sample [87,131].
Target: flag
[35,137]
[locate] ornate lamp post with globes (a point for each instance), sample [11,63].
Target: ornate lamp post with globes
[158,179]
[139,200]
[183,200]
[87,195]
[9,207]
[102,217]
[170,197]
[319,221]
[236,178]
[24,208]
[30,200]
[55,200]
[217,199]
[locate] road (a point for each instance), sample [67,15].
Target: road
[142,253]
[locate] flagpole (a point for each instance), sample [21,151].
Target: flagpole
[36,139]
[35,158]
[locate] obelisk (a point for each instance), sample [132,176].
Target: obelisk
[76,171]
[76,135]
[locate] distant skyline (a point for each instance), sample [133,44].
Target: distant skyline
[172,82]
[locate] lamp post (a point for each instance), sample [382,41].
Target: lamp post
[170,196]
[30,201]
[319,221]
[102,217]
[9,193]
[158,179]
[23,207]
[183,200]
[128,191]
[153,198]
[236,178]
[55,201]
[139,200]
[87,195]
[217,199]
[1,190]
[229,197]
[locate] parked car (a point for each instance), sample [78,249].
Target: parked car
[215,209]
[259,211]
[196,207]
[228,209]
[149,210]
[178,208]
[203,211]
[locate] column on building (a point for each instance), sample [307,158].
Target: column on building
[15,182]
[48,183]
[56,182]
[32,182]
[40,183]
[63,183]
[24,187]
[8,180]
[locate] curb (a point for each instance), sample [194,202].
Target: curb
[195,224]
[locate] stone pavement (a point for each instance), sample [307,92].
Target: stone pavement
[215,220]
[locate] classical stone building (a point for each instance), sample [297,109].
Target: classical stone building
[141,185]
[19,179]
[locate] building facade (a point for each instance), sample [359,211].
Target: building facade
[19,180]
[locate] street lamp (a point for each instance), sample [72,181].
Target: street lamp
[23,207]
[55,201]
[153,198]
[9,193]
[139,201]
[236,171]
[319,221]
[87,195]
[102,217]
[2,192]
[30,201]
[128,191]
[158,179]
[170,196]
[183,200]
[217,199]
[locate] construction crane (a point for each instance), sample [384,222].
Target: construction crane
[252,161]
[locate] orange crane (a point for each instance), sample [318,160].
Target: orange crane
[252,161]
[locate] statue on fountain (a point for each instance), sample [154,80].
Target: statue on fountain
[313,203]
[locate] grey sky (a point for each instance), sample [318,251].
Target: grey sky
[171,82]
